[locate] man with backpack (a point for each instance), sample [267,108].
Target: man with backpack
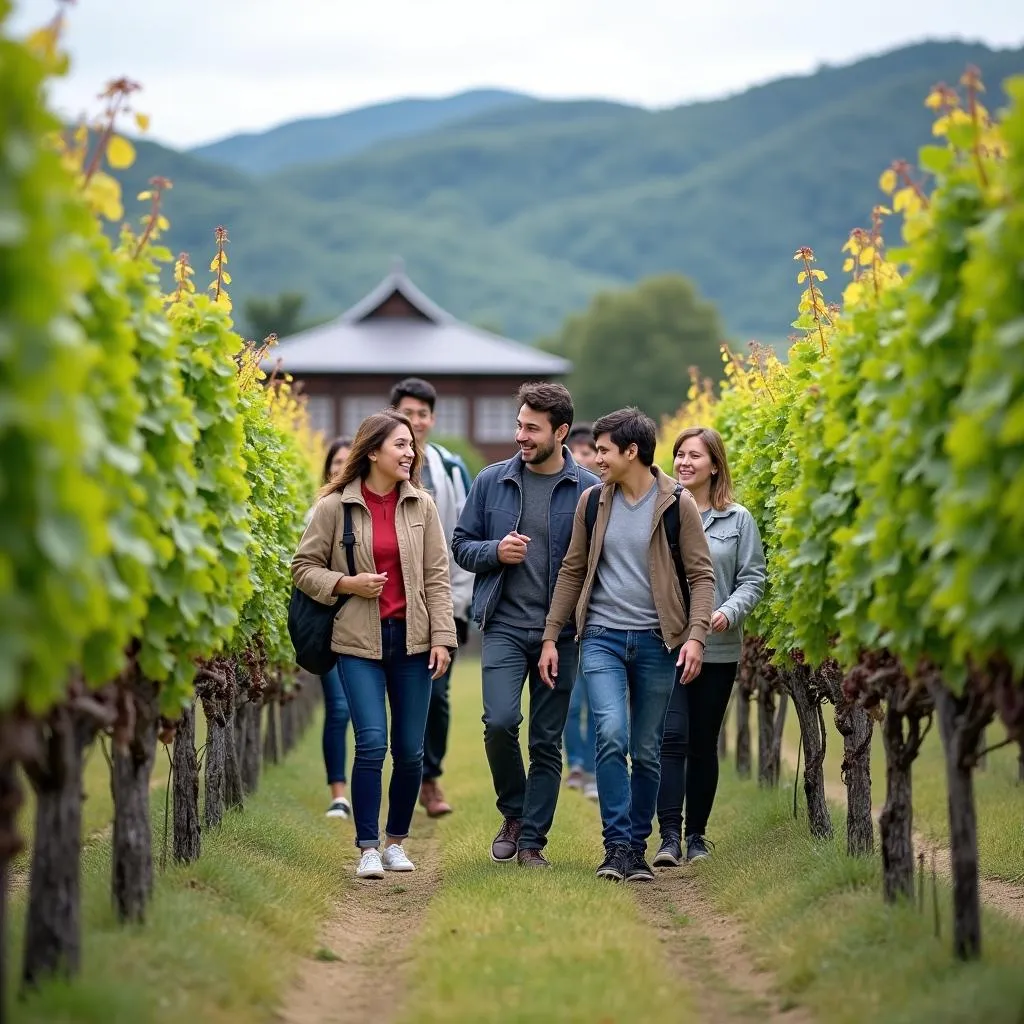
[639,577]
[445,476]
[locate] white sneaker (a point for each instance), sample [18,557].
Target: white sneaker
[339,808]
[395,859]
[590,789]
[370,865]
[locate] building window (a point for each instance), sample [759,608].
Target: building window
[356,410]
[321,413]
[495,420]
[452,417]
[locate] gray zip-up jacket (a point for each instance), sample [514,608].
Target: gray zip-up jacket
[740,575]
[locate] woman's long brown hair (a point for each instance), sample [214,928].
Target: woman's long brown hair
[721,482]
[370,438]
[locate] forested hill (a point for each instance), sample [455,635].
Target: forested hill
[515,215]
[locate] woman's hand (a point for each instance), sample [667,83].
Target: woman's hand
[719,622]
[365,584]
[440,659]
[690,660]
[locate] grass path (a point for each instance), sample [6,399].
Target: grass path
[271,924]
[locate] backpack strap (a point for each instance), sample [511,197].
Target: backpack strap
[590,513]
[348,539]
[671,522]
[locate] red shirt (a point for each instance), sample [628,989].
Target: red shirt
[386,557]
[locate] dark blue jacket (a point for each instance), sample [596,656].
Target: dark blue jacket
[494,509]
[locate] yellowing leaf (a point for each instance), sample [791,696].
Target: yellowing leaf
[801,277]
[867,255]
[819,275]
[888,181]
[847,265]
[144,195]
[225,277]
[142,122]
[853,293]
[120,152]
[162,223]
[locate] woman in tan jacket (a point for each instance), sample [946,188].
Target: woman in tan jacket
[396,628]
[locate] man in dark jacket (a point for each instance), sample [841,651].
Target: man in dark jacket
[512,535]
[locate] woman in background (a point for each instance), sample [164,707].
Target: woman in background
[336,716]
[689,751]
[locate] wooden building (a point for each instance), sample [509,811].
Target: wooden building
[348,366]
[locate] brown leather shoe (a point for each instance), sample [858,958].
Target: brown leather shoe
[433,800]
[532,859]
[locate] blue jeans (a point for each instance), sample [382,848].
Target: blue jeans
[336,720]
[629,676]
[404,679]
[580,736]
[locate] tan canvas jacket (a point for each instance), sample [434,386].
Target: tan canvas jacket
[576,577]
[320,560]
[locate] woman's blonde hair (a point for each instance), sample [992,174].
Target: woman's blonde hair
[370,438]
[721,480]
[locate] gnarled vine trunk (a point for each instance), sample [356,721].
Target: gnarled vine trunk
[742,705]
[132,855]
[53,935]
[856,726]
[771,720]
[271,753]
[187,840]
[234,795]
[10,844]
[896,822]
[807,700]
[251,760]
[962,721]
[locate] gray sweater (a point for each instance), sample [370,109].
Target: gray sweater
[739,577]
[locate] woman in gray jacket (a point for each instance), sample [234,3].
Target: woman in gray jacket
[689,751]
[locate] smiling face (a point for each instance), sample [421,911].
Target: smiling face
[537,441]
[420,415]
[395,457]
[693,464]
[612,464]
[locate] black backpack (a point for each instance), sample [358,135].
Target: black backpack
[671,525]
[311,623]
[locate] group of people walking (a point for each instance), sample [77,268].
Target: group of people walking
[616,593]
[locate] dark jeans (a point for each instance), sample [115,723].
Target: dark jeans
[629,676]
[689,752]
[336,720]
[435,741]
[509,657]
[405,681]
[580,738]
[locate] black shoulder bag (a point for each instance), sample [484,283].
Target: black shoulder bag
[310,623]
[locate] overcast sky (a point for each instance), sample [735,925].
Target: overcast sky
[213,67]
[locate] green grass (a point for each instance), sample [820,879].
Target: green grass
[503,944]
[998,795]
[223,933]
[817,919]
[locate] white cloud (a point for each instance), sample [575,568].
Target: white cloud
[212,67]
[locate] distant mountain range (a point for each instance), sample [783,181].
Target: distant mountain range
[513,211]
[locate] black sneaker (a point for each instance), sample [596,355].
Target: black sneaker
[670,853]
[638,870]
[615,864]
[697,848]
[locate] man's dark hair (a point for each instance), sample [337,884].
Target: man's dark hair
[413,387]
[554,399]
[581,433]
[630,426]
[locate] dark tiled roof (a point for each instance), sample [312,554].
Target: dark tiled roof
[432,342]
